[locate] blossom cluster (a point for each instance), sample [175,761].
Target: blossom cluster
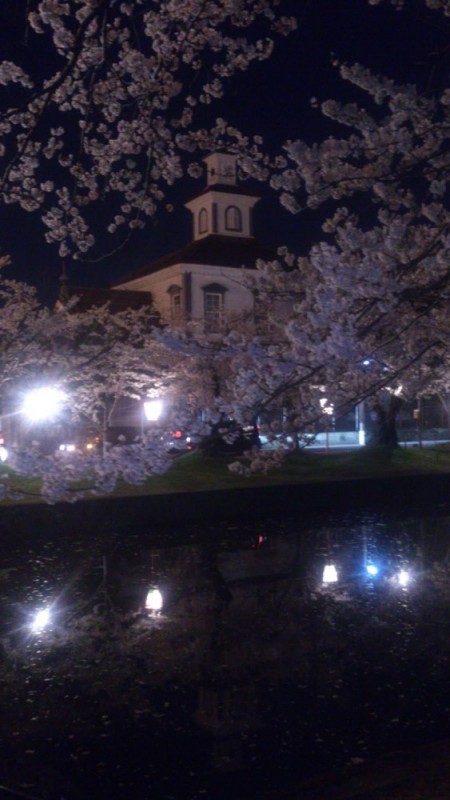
[95,358]
[111,111]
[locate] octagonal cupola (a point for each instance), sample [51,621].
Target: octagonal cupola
[224,208]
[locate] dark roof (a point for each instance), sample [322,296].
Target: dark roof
[94,298]
[225,188]
[220,251]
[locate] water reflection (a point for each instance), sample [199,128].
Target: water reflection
[261,653]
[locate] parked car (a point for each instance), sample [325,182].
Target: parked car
[229,438]
[178,442]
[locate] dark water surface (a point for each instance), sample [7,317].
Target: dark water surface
[255,673]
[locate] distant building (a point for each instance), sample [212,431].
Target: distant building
[204,279]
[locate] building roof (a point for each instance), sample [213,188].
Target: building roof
[118,300]
[220,251]
[225,189]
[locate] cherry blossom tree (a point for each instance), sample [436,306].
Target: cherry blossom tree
[94,358]
[366,311]
[114,119]
[107,117]
[113,114]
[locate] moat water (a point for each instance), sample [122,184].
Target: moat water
[283,649]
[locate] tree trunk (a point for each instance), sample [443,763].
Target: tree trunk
[446,406]
[385,433]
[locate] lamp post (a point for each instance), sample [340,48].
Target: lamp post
[151,411]
[327,409]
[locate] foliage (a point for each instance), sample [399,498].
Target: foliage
[361,316]
[78,352]
[111,111]
[364,314]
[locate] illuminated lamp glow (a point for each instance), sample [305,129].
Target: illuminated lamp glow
[403,577]
[329,574]
[153,410]
[43,403]
[41,620]
[371,569]
[3,453]
[154,600]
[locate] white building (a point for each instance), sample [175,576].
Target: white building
[204,279]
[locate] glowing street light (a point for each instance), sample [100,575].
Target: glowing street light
[153,410]
[41,620]
[328,409]
[403,578]
[372,570]
[43,403]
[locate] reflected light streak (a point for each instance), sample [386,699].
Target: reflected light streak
[154,600]
[403,577]
[329,574]
[41,620]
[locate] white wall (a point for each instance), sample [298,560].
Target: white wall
[237,297]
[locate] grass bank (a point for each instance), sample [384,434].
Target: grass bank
[195,472]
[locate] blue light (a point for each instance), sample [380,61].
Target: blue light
[371,569]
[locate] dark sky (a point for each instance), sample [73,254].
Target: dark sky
[272,99]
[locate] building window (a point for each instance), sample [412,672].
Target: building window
[203,221]
[233,219]
[175,311]
[214,305]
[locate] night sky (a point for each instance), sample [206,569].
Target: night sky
[272,99]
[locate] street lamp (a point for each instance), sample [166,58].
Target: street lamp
[40,620]
[328,409]
[43,403]
[153,410]
[403,578]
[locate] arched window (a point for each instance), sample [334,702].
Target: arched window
[203,221]
[233,219]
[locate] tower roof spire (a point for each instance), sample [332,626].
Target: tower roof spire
[221,169]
